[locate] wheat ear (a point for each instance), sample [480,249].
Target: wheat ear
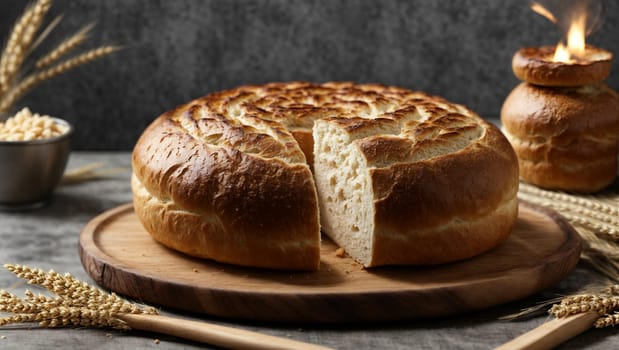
[76,303]
[604,302]
[64,47]
[36,78]
[12,45]
[595,217]
[17,47]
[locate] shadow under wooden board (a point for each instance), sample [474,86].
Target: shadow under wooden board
[120,256]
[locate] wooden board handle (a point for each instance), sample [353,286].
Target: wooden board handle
[226,337]
[553,333]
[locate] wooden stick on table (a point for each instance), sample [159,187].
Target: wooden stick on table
[226,337]
[553,333]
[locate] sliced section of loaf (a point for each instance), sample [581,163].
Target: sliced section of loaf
[422,185]
[402,177]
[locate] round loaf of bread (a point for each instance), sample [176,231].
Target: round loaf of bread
[534,65]
[400,177]
[565,138]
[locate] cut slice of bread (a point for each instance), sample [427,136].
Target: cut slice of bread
[391,193]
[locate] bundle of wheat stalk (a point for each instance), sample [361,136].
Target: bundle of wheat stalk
[604,302]
[573,314]
[76,303]
[20,73]
[595,217]
[79,304]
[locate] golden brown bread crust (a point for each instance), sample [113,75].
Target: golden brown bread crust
[225,176]
[464,203]
[534,65]
[565,138]
[213,200]
[444,183]
[236,242]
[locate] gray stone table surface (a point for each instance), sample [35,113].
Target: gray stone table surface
[48,237]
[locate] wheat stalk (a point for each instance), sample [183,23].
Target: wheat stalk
[64,47]
[91,171]
[46,32]
[605,302]
[76,303]
[595,218]
[586,201]
[79,304]
[37,78]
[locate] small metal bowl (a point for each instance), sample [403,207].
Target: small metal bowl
[30,171]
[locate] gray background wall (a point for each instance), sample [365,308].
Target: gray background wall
[179,50]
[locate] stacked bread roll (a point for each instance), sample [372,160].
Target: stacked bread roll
[563,121]
[399,177]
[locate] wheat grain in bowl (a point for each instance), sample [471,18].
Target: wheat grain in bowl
[34,150]
[28,126]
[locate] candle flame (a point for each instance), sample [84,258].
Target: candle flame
[562,53]
[576,35]
[573,19]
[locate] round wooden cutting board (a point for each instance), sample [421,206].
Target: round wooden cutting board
[119,255]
